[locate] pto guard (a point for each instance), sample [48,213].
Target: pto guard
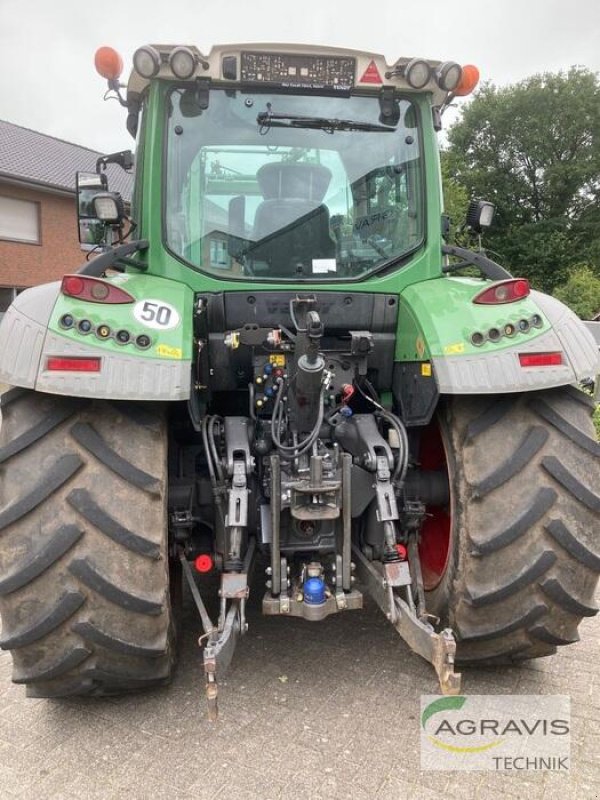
[30,334]
[441,316]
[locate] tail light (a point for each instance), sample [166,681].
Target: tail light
[72,364]
[507,291]
[540,359]
[94,290]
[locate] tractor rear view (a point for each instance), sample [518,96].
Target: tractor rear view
[277,359]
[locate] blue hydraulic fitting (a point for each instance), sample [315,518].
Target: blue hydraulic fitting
[314,591]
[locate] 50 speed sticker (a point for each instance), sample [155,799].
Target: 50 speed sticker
[156,314]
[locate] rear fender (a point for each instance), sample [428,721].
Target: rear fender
[438,318]
[33,331]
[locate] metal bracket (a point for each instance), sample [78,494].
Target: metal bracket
[237,443]
[437,648]
[389,106]
[397,573]
[340,597]
[284,598]
[237,507]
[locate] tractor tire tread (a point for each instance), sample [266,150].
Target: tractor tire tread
[83,502]
[61,472]
[39,561]
[68,604]
[85,596]
[88,574]
[85,435]
[531,444]
[524,563]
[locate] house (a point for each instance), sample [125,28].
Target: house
[38,211]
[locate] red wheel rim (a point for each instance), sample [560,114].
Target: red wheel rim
[434,545]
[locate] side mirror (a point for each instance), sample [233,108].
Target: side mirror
[480,215]
[91,228]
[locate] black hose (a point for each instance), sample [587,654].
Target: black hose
[396,423]
[402,461]
[213,447]
[211,468]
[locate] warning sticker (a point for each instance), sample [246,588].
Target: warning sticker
[169,352]
[278,360]
[452,349]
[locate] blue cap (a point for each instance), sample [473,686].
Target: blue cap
[346,411]
[314,591]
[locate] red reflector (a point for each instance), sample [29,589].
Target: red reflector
[94,290]
[402,552]
[503,292]
[371,74]
[204,563]
[540,359]
[73,364]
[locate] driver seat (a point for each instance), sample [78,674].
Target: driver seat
[291,225]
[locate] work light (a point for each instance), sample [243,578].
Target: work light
[417,73]
[182,62]
[448,75]
[146,61]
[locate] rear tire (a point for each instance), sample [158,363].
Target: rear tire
[525,551]
[84,570]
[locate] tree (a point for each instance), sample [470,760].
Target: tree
[581,292]
[533,149]
[456,196]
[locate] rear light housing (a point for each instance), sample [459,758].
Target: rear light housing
[73,364]
[94,290]
[541,359]
[508,291]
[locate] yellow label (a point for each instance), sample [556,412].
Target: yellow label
[169,352]
[458,347]
[426,370]
[277,360]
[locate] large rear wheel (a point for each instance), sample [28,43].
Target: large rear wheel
[519,557]
[84,572]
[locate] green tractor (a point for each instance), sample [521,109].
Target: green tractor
[276,358]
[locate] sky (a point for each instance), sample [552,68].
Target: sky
[48,81]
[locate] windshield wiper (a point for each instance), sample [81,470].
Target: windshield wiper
[268,119]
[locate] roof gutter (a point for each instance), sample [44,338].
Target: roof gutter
[30,183]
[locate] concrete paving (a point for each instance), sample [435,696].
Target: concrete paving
[324,710]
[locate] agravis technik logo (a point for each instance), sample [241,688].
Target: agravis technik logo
[495,732]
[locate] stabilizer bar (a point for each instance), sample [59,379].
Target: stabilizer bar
[220,641]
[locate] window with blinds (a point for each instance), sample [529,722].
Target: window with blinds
[19,220]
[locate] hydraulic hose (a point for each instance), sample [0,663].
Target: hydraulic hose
[293,451]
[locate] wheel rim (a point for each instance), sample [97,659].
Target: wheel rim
[434,544]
